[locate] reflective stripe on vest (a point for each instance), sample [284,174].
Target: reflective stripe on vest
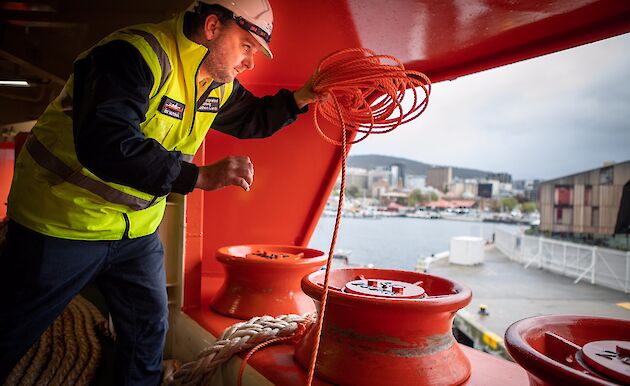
[50,162]
[155,45]
[66,102]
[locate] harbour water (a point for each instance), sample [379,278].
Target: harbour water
[396,242]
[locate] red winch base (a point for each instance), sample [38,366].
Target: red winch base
[572,350]
[397,337]
[265,280]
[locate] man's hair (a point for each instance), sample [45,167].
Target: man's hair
[203,10]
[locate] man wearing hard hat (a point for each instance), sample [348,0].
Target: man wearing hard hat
[90,185]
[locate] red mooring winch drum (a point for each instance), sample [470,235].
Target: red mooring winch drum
[386,327]
[265,280]
[572,350]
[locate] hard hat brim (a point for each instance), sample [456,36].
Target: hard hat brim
[263,46]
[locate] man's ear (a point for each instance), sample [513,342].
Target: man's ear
[211,27]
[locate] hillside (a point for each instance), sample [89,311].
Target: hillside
[411,167]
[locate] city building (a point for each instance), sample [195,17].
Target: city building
[463,189]
[415,182]
[484,189]
[378,179]
[584,203]
[439,178]
[528,189]
[357,177]
[493,188]
[397,176]
[501,177]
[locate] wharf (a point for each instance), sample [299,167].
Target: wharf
[512,292]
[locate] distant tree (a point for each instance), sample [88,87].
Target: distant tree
[528,207]
[352,191]
[433,196]
[509,203]
[416,197]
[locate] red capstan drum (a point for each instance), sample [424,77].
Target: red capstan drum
[265,280]
[386,327]
[571,350]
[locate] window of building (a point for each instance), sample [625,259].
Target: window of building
[567,216]
[558,216]
[606,175]
[595,217]
[564,195]
[563,216]
[588,195]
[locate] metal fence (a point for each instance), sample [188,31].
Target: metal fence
[602,266]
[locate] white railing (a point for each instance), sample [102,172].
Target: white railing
[602,266]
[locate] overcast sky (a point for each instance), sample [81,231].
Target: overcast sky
[542,118]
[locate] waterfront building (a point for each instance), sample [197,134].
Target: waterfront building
[465,189]
[357,177]
[415,182]
[399,198]
[490,188]
[584,203]
[439,178]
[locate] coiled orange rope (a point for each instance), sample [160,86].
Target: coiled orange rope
[366,94]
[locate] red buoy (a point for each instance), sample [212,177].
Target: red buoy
[386,327]
[572,350]
[265,280]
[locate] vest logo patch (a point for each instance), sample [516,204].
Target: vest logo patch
[171,107]
[211,105]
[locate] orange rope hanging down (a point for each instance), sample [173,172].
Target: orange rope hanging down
[366,93]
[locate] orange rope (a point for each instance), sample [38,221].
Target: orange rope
[366,96]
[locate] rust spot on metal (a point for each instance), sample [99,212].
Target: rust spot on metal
[390,345]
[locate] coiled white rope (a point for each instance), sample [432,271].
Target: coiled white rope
[235,339]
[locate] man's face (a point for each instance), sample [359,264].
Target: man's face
[231,52]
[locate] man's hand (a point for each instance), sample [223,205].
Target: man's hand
[233,170]
[306,95]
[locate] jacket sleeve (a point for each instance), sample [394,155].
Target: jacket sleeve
[246,116]
[110,100]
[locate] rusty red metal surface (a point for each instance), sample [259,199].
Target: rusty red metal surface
[277,363]
[265,280]
[386,338]
[7,157]
[566,349]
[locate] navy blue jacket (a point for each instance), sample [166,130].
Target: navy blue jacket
[111,98]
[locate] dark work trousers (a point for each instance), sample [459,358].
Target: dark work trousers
[39,276]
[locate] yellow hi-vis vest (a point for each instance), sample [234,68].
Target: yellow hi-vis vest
[52,193]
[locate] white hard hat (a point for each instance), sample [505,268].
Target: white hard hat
[254,16]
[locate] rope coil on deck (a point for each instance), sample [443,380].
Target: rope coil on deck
[235,339]
[67,353]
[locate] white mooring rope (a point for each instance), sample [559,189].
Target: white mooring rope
[235,339]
